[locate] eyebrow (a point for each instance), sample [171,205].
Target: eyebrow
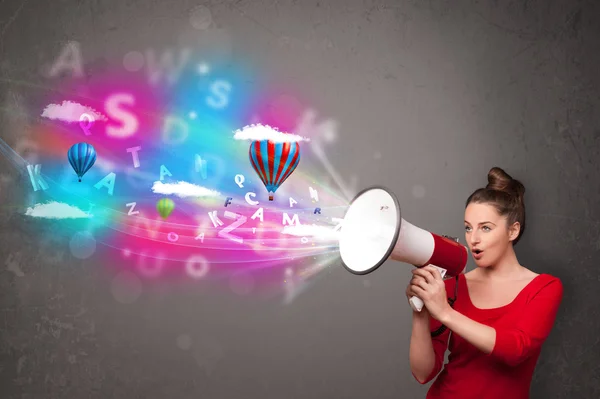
[481,223]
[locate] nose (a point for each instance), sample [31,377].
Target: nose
[474,238]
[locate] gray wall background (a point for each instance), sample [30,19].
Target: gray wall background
[428,95]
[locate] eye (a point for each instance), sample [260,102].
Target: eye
[467,228]
[486,228]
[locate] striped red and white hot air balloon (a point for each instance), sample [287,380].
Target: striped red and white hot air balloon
[274,162]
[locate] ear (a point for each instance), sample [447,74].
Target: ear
[513,231]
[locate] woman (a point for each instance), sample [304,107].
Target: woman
[502,313]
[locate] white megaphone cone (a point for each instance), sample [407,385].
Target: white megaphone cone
[373,231]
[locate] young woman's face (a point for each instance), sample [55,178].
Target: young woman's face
[486,234]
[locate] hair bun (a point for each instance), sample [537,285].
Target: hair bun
[499,180]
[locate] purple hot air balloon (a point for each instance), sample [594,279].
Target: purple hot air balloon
[274,162]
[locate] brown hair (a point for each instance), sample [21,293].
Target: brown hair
[506,195]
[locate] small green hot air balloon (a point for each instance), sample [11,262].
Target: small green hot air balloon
[165,206]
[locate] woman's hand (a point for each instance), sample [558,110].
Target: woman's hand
[427,284]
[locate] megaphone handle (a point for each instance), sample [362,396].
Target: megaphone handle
[416,303]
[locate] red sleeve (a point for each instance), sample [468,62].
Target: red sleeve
[440,343]
[515,344]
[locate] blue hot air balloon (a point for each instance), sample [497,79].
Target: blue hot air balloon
[81,157]
[274,162]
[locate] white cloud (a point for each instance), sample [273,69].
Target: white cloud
[183,189]
[70,111]
[320,232]
[56,210]
[266,132]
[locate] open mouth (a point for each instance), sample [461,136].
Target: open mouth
[477,253]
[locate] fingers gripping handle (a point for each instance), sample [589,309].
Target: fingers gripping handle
[416,303]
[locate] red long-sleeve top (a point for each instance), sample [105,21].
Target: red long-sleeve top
[521,328]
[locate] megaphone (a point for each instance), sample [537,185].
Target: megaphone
[374,231]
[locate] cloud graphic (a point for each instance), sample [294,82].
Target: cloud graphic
[266,132]
[56,210]
[70,111]
[183,189]
[320,232]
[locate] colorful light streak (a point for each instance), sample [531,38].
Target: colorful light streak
[170,127]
